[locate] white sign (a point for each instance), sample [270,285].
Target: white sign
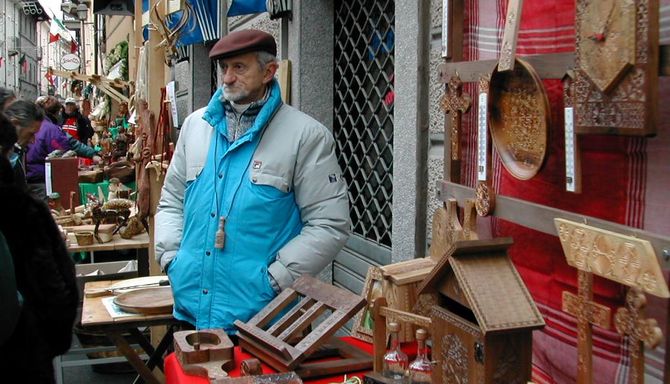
[173,103]
[70,62]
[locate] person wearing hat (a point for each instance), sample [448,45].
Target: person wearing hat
[74,123]
[253,197]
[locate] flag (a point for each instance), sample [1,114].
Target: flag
[23,63]
[50,78]
[246,7]
[73,46]
[58,31]
[1,59]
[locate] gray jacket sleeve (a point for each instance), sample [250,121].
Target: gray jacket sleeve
[321,195]
[169,217]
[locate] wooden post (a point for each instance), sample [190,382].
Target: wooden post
[156,81]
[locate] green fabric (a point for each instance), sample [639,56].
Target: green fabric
[9,296]
[92,188]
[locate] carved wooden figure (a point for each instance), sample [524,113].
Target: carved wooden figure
[630,322]
[481,326]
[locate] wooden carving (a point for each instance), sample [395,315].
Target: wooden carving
[455,103]
[630,322]
[363,321]
[282,336]
[207,353]
[146,131]
[625,259]
[519,119]
[587,313]
[616,66]
[512,23]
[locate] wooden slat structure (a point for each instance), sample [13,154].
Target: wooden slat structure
[281,334]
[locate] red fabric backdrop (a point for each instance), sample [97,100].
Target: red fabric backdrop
[624,180]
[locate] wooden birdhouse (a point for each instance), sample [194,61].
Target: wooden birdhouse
[483,321]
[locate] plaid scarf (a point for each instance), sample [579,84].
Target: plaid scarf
[239,123]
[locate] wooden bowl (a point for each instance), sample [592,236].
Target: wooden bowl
[519,118]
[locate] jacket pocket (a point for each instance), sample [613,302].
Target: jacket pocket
[270,186]
[193,172]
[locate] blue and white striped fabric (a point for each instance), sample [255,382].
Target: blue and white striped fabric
[202,26]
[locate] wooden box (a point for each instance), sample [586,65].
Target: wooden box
[62,176]
[484,317]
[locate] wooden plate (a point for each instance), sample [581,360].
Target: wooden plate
[519,119]
[146,301]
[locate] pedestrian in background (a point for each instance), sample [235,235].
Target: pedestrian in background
[46,286]
[27,118]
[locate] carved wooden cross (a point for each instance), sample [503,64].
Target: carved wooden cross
[630,322]
[587,313]
[455,103]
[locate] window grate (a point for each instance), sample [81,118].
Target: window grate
[363,121]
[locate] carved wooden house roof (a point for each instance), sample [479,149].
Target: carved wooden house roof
[479,275]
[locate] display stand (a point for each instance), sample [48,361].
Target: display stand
[278,339]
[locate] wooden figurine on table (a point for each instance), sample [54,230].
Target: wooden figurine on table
[116,189]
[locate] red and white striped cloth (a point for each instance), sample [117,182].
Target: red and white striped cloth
[624,180]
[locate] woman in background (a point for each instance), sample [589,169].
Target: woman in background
[26,117]
[46,283]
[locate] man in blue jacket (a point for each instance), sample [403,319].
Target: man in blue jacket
[254,196]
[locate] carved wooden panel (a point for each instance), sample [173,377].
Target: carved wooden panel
[457,349]
[465,355]
[625,259]
[616,66]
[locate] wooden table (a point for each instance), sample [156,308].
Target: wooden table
[96,318]
[117,243]
[139,242]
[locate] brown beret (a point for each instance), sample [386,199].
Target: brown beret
[244,41]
